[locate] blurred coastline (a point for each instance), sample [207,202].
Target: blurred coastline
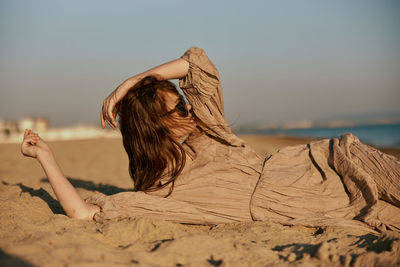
[380,135]
[380,130]
[12,131]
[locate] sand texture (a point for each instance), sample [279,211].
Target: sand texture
[34,230]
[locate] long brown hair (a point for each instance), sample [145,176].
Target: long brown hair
[153,153]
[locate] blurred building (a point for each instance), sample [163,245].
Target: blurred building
[25,123]
[7,127]
[41,125]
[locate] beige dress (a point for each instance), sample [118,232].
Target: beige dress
[224,180]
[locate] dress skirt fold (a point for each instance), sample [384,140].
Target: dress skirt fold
[330,182]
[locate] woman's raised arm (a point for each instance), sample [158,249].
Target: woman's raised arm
[72,203]
[175,69]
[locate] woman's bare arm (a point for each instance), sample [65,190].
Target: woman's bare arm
[175,69]
[72,203]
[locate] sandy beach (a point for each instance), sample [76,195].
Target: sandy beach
[34,231]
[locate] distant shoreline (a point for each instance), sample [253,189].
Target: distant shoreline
[379,135]
[310,125]
[269,144]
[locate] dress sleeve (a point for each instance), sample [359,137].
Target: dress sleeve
[131,204]
[202,89]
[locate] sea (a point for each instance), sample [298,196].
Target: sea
[380,135]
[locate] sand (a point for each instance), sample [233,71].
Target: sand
[34,230]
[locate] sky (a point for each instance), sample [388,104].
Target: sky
[279,61]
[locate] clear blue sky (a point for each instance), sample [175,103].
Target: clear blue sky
[279,60]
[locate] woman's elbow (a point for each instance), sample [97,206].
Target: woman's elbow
[86,213]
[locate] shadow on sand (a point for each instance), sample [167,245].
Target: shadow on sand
[10,260]
[371,242]
[106,189]
[53,203]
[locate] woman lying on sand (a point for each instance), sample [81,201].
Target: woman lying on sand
[188,167]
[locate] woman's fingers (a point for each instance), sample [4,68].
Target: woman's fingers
[29,132]
[31,140]
[110,110]
[107,114]
[26,133]
[111,118]
[114,114]
[31,137]
[103,123]
[114,109]
[104,113]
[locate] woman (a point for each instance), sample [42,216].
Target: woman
[188,167]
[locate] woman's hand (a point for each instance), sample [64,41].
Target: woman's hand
[110,108]
[32,145]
